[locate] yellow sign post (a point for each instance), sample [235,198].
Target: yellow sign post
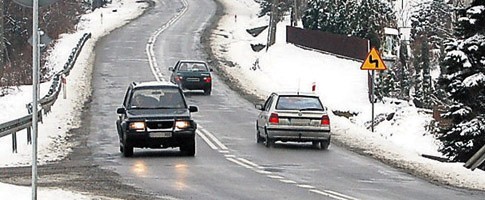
[373,62]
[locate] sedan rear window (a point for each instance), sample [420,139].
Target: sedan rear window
[191,67]
[298,103]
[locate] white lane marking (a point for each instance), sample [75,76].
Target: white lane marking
[288,181]
[327,194]
[211,145]
[342,195]
[224,152]
[263,172]
[213,138]
[230,156]
[275,177]
[152,61]
[239,163]
[306,186]
[249,163]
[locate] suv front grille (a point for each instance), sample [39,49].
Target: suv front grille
[159,124]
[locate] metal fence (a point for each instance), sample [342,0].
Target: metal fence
[340,45]
[13,126]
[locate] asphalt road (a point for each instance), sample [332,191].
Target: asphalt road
[228,164]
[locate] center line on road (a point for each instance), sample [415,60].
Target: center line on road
[288,181]
[249,163]
[213,138]
[342,195]
[328,194]
[152,61]
[211,145]
[239,163]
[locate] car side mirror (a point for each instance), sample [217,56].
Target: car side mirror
[210,69]
[170,69]
[193,109]
[259,106]
[120,110]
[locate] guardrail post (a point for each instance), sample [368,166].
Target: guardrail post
[29,135]
[476,160]
[14,142]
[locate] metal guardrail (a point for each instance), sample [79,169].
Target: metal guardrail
[13,126]
[476,160]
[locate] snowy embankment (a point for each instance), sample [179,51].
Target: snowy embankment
[65,114]
[342,86]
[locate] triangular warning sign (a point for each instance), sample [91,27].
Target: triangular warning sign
[373,61]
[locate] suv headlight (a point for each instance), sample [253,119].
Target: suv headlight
[137,125]
[182,124]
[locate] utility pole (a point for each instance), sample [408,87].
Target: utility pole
[35,89]
[2,35]
[295,13]
[272,24]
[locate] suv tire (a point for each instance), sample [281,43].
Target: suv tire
[189,147]
[127,150]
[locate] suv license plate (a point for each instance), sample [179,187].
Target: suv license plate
[160,134]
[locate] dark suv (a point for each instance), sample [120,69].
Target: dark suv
[155,115]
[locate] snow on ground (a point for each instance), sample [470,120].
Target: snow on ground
[342,86]
[65,113]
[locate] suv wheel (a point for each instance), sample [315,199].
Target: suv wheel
[127,151]
[189,147]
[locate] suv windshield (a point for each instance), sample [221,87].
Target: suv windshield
[298,103]
[157,98]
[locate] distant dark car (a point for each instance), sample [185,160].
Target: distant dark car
[155,115]
[293,117]
[192,75]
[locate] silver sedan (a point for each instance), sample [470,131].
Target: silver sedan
[293,117]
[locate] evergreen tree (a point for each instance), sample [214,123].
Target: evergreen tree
[464,81]
[422,77]
[366,19]
[312,14]
[431,23]
[370,19]
[387,84]
[283,6]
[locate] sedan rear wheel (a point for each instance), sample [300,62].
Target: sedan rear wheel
[268,141]
[316,144]
[207,91]
[325,144]
[259,139]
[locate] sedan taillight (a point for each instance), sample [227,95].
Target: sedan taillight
[178,78]
[207,79]
[273,118]
[325,120]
